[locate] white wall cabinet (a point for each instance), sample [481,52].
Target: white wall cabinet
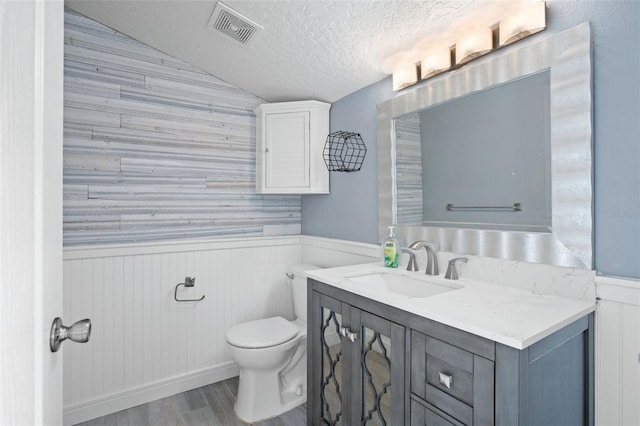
[289,143]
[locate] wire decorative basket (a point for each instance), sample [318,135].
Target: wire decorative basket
[344,152]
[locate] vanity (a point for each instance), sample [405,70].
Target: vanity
[393,347]
[388,346]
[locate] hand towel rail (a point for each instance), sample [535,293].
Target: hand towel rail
[516,207]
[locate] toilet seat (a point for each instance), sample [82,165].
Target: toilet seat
[261,333]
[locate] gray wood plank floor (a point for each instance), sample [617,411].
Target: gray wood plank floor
[208,405]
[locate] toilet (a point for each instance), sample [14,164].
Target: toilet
[272,356]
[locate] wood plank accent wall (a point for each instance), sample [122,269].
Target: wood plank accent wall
[409,170]
[156,149]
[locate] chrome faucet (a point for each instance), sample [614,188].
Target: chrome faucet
[432,260]
[452,272]
[413,264]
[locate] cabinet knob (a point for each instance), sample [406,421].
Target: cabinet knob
[266,150]
[352,336]
[446,380]
[343,331]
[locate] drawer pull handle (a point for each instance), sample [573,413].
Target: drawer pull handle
[446,380]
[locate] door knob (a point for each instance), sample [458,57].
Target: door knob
[78,332]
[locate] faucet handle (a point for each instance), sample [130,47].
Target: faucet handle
[452,272]
[413,264]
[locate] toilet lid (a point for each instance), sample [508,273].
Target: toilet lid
[261,333]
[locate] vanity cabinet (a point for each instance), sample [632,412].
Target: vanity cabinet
[290,138]
[449,383]
[435,374]
[357,366]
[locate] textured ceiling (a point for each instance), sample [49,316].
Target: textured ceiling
[321,50]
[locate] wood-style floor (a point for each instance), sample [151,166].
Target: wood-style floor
[208,405]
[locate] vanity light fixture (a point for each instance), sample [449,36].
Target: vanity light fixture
[475,43]
[435,61]
[523,19]
[529,18]
[403,66]
[405,74]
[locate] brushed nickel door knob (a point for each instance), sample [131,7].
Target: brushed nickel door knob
[78,332]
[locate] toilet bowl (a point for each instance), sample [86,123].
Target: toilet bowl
[272,356]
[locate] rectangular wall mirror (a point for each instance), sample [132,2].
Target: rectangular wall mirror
[494,159]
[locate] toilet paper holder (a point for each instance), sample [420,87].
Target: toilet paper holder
[188,282]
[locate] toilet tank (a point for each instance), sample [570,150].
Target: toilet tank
[299,289]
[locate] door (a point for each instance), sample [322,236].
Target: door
[377,377]
[356,366]
[31,94]
[326,367]
[287,150]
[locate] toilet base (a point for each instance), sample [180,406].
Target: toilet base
[260,397]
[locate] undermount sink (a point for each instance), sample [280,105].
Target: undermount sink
[399,284]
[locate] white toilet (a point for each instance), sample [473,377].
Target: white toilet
[272,356]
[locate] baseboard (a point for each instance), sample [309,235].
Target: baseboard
[141,395]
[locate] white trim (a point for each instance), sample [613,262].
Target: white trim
[132,249]
[619,290]
[352,247]
[151,392]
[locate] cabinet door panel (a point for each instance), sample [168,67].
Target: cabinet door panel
[381,372]
[332,363]
[287,150]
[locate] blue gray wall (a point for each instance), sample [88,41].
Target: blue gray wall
[350,212]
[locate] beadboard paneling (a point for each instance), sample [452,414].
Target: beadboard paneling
[618,352]
[145,345]
[331,253]
[155,149]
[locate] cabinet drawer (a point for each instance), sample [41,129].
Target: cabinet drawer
[423,416]
[456,381]
[450,370]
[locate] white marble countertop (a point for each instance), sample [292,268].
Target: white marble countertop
[511,316]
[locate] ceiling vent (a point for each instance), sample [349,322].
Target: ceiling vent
[233,24]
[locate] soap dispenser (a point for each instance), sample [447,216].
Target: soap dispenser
[391,250]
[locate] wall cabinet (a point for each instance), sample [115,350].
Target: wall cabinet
[372,364]
[290,138]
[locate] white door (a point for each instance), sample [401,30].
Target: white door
[31,104]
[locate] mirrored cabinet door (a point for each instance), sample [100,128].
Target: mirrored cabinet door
[356,365]
[326,365]
[379,371]
[332,360]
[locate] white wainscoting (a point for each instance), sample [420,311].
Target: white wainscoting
[331,253]
[618,352]
[144,345]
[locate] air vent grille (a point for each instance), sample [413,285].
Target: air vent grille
[233,24]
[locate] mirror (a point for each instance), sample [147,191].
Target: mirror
[564,237]
[498,169]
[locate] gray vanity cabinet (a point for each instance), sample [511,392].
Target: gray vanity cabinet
[372,364]
[450,383]
[357,365]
